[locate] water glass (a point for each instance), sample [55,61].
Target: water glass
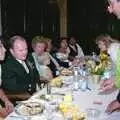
[75,85]
[92,114]
[93,82]
[84,85]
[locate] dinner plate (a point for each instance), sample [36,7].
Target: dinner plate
[29,108]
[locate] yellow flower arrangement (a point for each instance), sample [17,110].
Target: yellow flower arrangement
[98,67]
[67,107]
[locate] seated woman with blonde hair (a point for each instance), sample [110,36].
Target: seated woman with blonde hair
[41,58]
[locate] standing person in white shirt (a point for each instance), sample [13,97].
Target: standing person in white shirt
[114,8]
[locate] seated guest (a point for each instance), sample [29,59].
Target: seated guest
[41,58]
[61,53]
[74,49]
[50,50]
[49,44]
[6,106]
[55,66]
[19,75]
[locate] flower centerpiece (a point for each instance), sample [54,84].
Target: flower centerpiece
[99,67]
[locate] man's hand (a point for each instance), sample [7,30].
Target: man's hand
[7,109]
[9,106]
[107,84]
[113,106]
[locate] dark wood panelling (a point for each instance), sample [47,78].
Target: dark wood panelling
[29,18]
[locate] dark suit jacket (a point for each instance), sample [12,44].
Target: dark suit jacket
[61,63]
[73,53]
[15,79]
[53,67]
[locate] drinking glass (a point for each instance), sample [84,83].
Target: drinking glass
[92,114]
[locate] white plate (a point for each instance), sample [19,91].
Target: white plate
[29,109]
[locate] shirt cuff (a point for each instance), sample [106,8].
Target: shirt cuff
[70,63]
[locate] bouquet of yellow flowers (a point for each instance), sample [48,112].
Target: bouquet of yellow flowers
[98,67]
[105,59]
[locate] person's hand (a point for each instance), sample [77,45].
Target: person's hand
[3,112]
[107,84]
[7,109]
[113,106]
[9,106]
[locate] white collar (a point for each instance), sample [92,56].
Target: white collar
[20,61]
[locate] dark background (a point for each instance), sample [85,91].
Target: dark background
[86,20]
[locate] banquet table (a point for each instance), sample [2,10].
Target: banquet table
[83,99]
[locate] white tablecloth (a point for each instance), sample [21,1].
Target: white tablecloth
[84,100]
